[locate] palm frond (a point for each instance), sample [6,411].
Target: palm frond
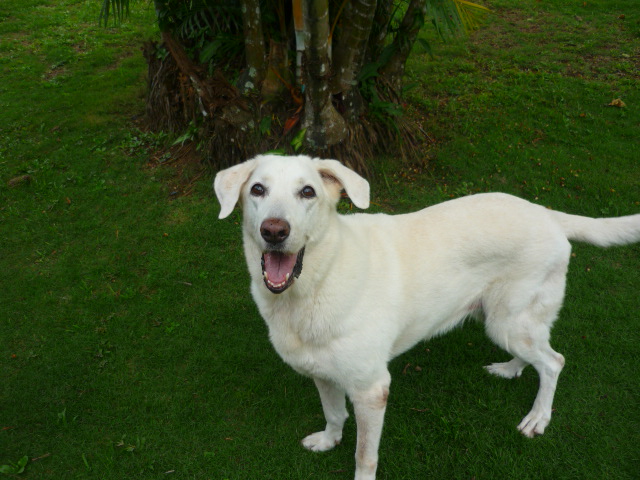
[189,19]
[471,14]
[118,9]
[455,17]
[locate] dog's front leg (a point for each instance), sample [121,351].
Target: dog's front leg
[335,412]
[369,407]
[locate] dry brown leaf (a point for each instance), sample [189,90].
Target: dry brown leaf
[22,179]
[617,103]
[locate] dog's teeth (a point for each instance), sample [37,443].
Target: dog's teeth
[275,285]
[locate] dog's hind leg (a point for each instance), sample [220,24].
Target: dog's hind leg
[511,369]
[522,328]
[549,365]
[335,412]
[531,346]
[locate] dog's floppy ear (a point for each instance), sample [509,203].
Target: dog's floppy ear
[228,183]
[332,171]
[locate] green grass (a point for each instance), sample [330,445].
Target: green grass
[130,347]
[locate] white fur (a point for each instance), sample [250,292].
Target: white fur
[372,286]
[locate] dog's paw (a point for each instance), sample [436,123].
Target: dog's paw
[320,441]
[365,476]
[512,369]
[534,424]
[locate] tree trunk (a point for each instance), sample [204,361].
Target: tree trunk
[277,76]
[189,70]
[413,20]
[254,46]
[350,44]
[325,126]
[349,53]
[297,11]
[379,30]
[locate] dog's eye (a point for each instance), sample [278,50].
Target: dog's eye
[258,190]
[308,192]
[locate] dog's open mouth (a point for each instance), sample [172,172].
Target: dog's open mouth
[279,269]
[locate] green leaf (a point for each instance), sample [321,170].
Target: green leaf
[426,46]
[370,70]
[182,138]
[454,17]
[86,462]
[22,463]
[118,8]
[409,86]
[277,151]
[15,469]
[265,125]
[298,140]
[209,50]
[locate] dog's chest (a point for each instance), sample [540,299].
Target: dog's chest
[306,341]
[304,357]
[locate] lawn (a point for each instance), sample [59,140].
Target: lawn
[129,344]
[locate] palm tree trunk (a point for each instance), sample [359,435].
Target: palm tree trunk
[406,36]
[379,30]
[349,53]
[254,46]
[350,45]
[325,126]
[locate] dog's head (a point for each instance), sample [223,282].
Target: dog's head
[286,202]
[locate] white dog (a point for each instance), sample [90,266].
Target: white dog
[344,294]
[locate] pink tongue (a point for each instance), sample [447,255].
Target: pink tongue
[277,265]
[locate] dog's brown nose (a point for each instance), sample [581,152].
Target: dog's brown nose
[275,230]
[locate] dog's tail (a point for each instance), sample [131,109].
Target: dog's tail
[603,232]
